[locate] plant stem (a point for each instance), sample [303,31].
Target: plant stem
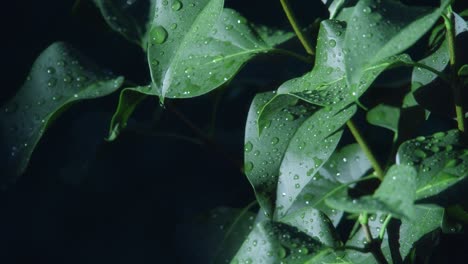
[295,25]
[373,246]
[365,147]
[384,226]
[454,82]
[294,55]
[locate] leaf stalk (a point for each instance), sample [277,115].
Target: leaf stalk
[295,25]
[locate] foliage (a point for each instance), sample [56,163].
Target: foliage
[304,174]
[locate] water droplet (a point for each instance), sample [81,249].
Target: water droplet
[173,26]
[366,10]
[332,43]
[274,141]
[52,82]
[51,70]
[158,35]
[228,27]
[248,146]
[248,166]
[297,186]
[154,62]
[177,5]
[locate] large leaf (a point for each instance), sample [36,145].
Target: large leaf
[131,18]
[395,195]
[326,84]
[264,152]
[315,224]
[430,217]
[310,147]
[59,77]
[199,47]
[272,243]
[344,167]
[441,160]
[379,29]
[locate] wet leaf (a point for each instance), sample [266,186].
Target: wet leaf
[395,195]
[272,242]
[130,18]
[59,77]
[264,152]
[385,116]
[309,149]
[345,166]
[199,47]
[441,161]
[380,29]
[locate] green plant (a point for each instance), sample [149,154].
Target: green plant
[308,183]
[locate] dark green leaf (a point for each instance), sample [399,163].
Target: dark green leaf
[264,152]
[441,160]
[385,116]
[430,217]
[199,47]
[310,147]
[378,30]
[130,18]
[271,243]
[395,195]
[463,71]
[59,77]
[315,224]
[344,167]
[334,6]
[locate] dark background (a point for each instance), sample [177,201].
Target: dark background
[83,200]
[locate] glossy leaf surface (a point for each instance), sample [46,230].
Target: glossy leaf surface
[441,161]
[59,77]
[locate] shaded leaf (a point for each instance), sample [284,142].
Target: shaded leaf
[199,47]
[264,152]
[345,166]
[441,161]
[315,224]
[310,147]
[334,6]
[385,116]
[272,242]
[395,195]
[129,18]
[59,77]
[380,29]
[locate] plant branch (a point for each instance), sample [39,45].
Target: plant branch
[365,147]
[374,246]
[384,226]
[295,25]
[454,82]
[305,59]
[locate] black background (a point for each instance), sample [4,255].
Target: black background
[83,200]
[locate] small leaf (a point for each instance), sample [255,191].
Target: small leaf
[463,71]
[315,224]
[200,47]
[441,161]
[129,99]
[59,77]
[334,6]
[344,167]
[395,195]
[385,116]
[310,147]
[430,217]
[264,152]
[380,29]
[129,18]
[272,242]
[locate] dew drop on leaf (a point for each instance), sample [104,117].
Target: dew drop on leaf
[51,70]
[248,146]
[248,166]
[177,5]
[158,35]
[52,82]
[274,141]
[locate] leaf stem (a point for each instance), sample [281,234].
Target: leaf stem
[384,226]
[365,147]
[454,82]
[305,59]
[295,25]
[373,245]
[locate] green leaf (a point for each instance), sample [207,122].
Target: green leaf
[314,223]
[463,71]
[346,166]
[334,6]
[441,161]
[385,116]
[395,195]
[272,242]
[430,217]
[129,18]
[129,99]
[59,77]
[310,147]
[199,47]
[380,29]
[264,152]
[229,228]
[326,84]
